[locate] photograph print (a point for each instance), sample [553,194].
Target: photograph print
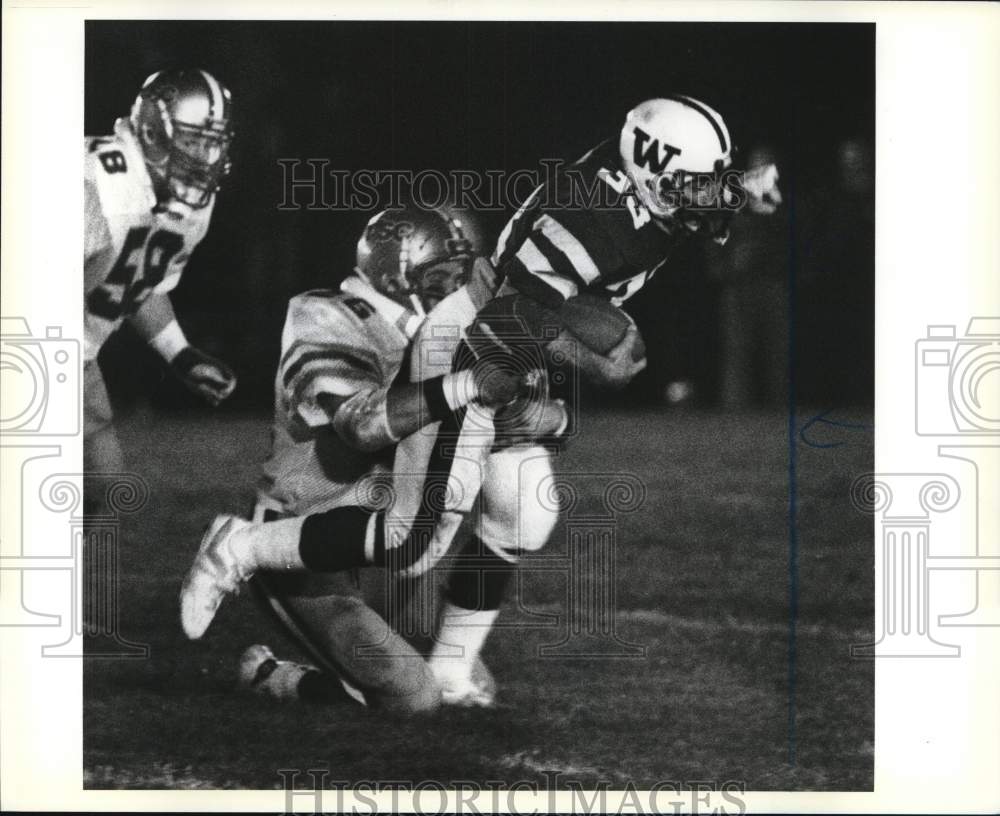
[496,399]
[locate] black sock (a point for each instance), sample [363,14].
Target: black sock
[478,578]
[320,687]
[335,540]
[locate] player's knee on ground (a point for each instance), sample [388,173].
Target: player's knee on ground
[356,640]
[519,511]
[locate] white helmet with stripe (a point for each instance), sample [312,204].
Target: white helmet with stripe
[675,151]
[183,122]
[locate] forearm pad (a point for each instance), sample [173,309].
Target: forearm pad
[362,421]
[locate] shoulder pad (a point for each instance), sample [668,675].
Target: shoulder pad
[119,174]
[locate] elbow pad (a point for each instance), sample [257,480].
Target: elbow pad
[362,421]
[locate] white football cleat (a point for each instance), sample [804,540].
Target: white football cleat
[475,690]
[215,573]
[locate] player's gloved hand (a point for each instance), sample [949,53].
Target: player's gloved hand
[761,183]
[203,374]
[617,368]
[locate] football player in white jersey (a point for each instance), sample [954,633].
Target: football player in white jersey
[149,191]
[343,400]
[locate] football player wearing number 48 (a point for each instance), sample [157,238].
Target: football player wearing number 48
[149,191]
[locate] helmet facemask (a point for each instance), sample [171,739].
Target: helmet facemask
[394,285]
[422,288]
[677,152]
[434,281]
[418,257]
[197,163]
[699,204]
[187,160]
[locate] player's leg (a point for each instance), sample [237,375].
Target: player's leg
[515,518]
[437,479]
[483,567]
[435,485]
[355,654]
[358,654]
[233,549]
[102,452]
[261,672]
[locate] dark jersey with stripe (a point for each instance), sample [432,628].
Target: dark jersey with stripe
[585,230]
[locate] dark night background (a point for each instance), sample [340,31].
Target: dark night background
[502,96]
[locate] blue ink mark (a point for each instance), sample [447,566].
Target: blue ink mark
[821,419]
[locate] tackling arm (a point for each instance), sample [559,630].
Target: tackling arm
[374,419]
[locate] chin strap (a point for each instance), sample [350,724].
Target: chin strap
[418,307]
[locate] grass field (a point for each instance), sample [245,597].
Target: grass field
[702,583]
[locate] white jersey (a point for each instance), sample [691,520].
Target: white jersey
[338,344]
[131,247]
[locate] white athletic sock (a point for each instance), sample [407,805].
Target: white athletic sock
[459,640]
[273,545]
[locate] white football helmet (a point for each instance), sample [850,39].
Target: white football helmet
[676,151]
[183,121]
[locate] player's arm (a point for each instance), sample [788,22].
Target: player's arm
[374,418]
[332,376]
[552,265]
[203,374]
[612,370]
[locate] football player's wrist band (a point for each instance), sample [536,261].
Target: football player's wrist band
[448,393]
[170,341]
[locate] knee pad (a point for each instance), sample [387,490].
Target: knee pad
[518,513]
